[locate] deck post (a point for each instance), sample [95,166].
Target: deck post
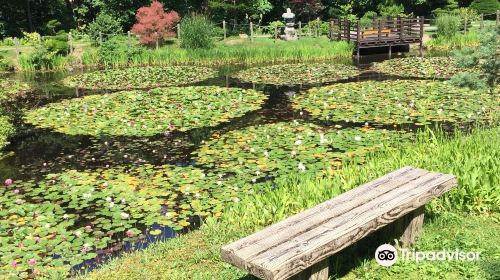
[251,32]
[340,30]
[224,28]
[421,35]
[498,19]
[379,29]
[348,31]
[300,28]
[401,28]
[465,26]
[358,33]
[481,24]
[390,51]
[330,30]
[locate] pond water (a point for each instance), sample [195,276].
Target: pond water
[35,152]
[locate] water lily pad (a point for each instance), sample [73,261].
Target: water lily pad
[10,89]
[63,219]
[146,113]
[140,78]
[258,152]
[399,102]
[419,67]
[294,74]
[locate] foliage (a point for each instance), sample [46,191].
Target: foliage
[485,6]
[262,152]
[445,45]
[53,25]
[140,113]
[480,58]
[57,44]
[448,25]
[257,52]
[30,39]
[419,67]
[477,192]
[399,102]
[471,80]
[118,48]
[197,32]
[10,89]
[40,59]
[104,24]
[140,78]
[5,64]
[392,10]
[468,14]
[154,24]
[6,129]
[295,74]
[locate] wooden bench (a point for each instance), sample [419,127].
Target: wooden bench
[299,246]
[365,33]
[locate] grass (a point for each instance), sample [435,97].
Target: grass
[235,51]
[466,218]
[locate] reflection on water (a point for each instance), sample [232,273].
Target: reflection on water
[35,152]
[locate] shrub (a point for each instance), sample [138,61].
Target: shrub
[470,80]
[116,49]
[57,43]
[154,24]
[485,6]
[41,58]
[6,129]
[30,39]
[448,25]
[5,65]
[104,24]
[197,32]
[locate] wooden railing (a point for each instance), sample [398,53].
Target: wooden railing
[379,30]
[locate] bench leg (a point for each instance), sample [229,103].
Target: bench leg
[408,227]
[318,271]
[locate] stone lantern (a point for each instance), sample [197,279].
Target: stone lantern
[290,33]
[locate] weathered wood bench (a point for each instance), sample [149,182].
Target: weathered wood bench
[299,246]
[366,33]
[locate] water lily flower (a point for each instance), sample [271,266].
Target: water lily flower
[111,204]
[203,175]
[301,113]
[298,142]
[13,264]
[124,215]
[294,152]
[302,167]
[171,126]
[8,182]
[235,199]
[123,200]
[47,225]
[32,262]
[252,150]
[197,195]
[219,183]
[44,164]
[65,216]
[254,180]
[37,239]
[108,199]
[129,233]
[266,153]
[357,138]
[78,233]
[16,191]
[87,195]
[257,173]
[88,227]
[19,201]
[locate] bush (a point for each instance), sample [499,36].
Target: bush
[5,65]
[470,80]
[105,24]
[116,49]
[197,32]
[448,25]
[30,39]
[154,24]
[485,6]
[6,129]
[41,58]
[57,44]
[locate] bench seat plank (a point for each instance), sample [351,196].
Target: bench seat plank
[290,246]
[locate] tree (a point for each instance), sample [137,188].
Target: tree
[485,6]
[153,23]
[104,24]
[307,9]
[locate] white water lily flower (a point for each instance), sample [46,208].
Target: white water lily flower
[124,215]
[111,204]
[357,138]
[47,225]
[294,152]
[298,142]
[252,150]
[257,172]
[78,233]
[302,167]
[108,199]
[219,183]
[87,195]
[266,153]
[65,216]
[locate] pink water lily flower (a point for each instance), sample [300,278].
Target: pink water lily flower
[13,264]
[32,262]
[37,239]
[129,233]
[8,182]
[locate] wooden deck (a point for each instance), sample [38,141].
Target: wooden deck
[381,32]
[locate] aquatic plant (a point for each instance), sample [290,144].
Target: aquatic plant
[293,74]
[6,129]
[419,67]
[399,102]
[146,113]
[273,150]
[71,217]
[140,78]
[10,89]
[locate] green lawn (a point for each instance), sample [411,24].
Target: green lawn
[467,218]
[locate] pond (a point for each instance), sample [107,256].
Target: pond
[172,164]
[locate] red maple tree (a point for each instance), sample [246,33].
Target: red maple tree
[153,23]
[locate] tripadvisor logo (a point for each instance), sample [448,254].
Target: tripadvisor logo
[386,255]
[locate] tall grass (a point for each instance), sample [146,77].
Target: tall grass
[260,51]
[474,159]
[444,45]
[54,63]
